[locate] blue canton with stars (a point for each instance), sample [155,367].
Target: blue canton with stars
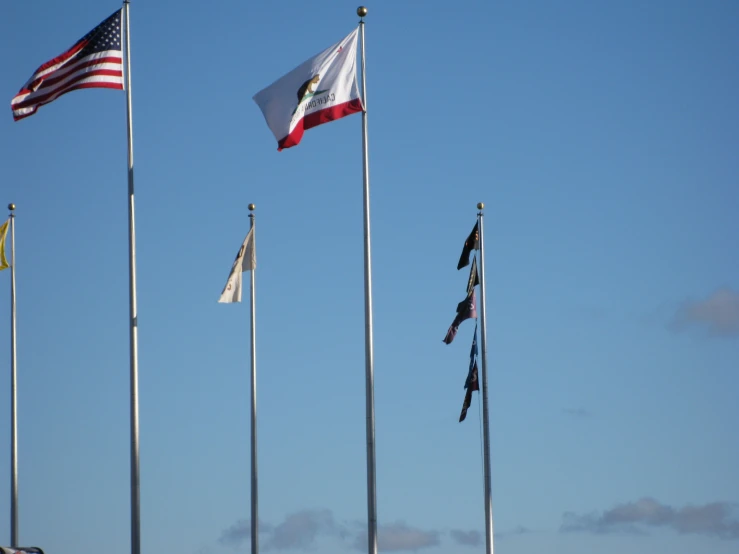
[106,36]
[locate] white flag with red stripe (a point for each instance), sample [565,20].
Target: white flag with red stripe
[319,90]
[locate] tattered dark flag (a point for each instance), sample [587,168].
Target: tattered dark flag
[474,279]
[466,309]
[471,384]
[468,394]
[471,243]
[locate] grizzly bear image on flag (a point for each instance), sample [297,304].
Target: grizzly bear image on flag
[319,90]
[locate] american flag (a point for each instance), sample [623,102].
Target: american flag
[95,61]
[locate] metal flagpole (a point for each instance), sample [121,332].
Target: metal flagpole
[254,489]
[368,340]
[13,394]
[133,312]
[485,415]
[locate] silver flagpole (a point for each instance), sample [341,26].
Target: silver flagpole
[13,394]
[368,340]
[254,488]
[133,312]
[485,415]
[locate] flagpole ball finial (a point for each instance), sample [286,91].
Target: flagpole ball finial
[361,11]
[251,207]
[480,205]
[11,207]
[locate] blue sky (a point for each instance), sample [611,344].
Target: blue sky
[602,138]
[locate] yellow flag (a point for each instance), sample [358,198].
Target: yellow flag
[3,233]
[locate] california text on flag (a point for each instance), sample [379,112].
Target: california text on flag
[321,89]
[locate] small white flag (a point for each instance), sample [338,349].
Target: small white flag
[246,260]
[319,90]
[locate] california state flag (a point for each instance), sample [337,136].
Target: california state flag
[319,90]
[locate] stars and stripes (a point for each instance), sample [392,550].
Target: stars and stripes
[95,61]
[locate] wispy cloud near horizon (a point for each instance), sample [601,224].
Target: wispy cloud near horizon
[466,538]
[240,532]
[476,538]
[302,530]
[395,537]
[718,314]
[717,519]
[578,413]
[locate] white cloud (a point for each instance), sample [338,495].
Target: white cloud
[398,536]
[240,532]
[302,530]
[578,413]
[718,519]
[466,538]
[719,313]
